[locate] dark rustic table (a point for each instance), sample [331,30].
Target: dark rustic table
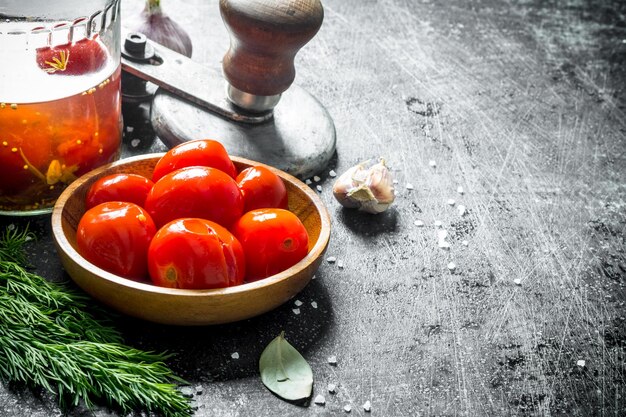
[520,104]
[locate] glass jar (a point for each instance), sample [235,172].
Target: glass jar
[60,106]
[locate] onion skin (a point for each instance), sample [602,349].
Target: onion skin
[160,28]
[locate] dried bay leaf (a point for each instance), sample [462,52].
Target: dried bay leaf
[284,371]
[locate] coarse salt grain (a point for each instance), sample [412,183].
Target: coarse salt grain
[314,304]
[308,181]
[517,281]
[581,363]
[234,355]
[465,243]
[451,202]
[332,173]
[443,244]
[332,388]
[331,259]
[135,142]
[316,178]
[298,303]
[296,311]
[332,360]
[418,223]
[409,186]
[347,408]
[340,264]
[320,400]
[460,190]
[461,209]
[451,266]
[367,406]
[438,223]
[442,234]
[432,163]
[319,188]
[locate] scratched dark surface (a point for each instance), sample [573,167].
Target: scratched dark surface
[520,103]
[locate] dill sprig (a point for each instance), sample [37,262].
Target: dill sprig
[52,337]
[12,244]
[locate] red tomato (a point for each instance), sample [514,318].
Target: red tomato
[272,239]
[201,152]
[82,57]
[261,188]
[203,192]
[132,188]
[195,253]
[115,237]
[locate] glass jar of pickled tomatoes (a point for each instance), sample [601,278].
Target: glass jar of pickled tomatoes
[60,105]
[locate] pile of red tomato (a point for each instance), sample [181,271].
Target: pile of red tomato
[196,224]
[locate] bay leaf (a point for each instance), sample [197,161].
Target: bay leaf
[284,371]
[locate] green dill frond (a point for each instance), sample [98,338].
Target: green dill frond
[12,244]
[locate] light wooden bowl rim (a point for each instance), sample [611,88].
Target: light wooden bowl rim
[65,246]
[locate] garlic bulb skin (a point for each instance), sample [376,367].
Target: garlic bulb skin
[369,189]
[160,28]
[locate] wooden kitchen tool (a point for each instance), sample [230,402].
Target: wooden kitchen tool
[255,111]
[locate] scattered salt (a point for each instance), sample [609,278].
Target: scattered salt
[581,363]
[451,266]
[340,264]
[441,239]
[130,129]
[347,408]
[517,281]
[332,388]
[296,311]
[367,406]
[319,188]
[234,355]
[298,303]
[313,304]
[460,190]
[465,243]
[438,223]
[316,178]
[135,142]
[409,186]
[331,259]
[451,202]
[432,163]
[332,173]
[308,182]
[332,360]
[461,209]
[320,400]
[418,223]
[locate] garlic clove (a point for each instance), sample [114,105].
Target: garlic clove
[380,183]
[367,189]
[345,183]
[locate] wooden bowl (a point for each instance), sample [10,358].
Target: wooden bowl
[179,306]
